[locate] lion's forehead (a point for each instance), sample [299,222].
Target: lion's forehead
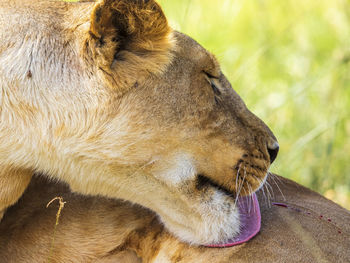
[187,48]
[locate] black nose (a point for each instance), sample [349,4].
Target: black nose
[273,150]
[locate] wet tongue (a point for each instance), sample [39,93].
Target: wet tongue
[250,221]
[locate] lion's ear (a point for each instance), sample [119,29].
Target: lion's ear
[129,37]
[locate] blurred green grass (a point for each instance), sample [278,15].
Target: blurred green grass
[290,62]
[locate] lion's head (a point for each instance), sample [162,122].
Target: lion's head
[148,116]
[195,143]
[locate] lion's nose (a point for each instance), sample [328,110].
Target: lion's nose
[273,148]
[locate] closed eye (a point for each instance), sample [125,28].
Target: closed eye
[215,88]
[213,82]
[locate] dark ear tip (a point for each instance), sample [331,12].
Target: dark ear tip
[136,6]
[138,17]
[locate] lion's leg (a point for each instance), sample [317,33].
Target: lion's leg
[13,182]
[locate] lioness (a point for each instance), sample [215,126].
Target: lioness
[107,97]
[298,226]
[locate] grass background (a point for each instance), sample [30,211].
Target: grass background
[290,62]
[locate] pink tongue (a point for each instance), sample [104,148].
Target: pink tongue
[250,221]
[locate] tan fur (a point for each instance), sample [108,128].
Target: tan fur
[103,230]
[106,97]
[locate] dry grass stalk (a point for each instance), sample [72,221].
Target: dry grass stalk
[58,214]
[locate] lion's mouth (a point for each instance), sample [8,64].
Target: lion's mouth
[203,181]
[250,218]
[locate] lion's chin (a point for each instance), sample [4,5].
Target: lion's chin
[218,225]
[250,219]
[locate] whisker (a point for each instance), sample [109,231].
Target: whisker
[244,191]
[250,198]
[241,184]
[262,188]
[237,176]
[238,192]
[271,189]
[268,196]
[275,179]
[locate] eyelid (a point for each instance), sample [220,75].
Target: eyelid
[212,81]
[210,75]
